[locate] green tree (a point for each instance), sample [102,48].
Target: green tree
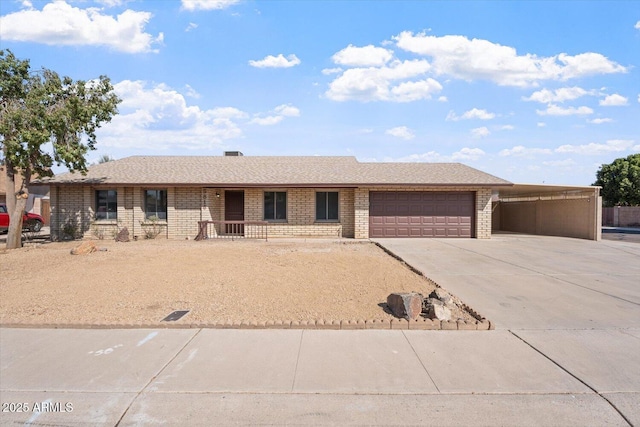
[105,158]
[620,181]
[40,107]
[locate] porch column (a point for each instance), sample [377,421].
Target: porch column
[361,213]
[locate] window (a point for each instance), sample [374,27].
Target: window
[106,204]
[326,206]
[275,205]
[155,204]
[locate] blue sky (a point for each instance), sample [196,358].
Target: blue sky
[531,92]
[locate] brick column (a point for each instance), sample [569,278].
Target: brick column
[172,223]
[483,213]
[138,212]
[361,207]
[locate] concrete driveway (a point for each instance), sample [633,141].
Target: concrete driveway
[576,302]
[565,352]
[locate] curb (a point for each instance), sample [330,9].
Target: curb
[371,324]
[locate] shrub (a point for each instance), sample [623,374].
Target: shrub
[151,227]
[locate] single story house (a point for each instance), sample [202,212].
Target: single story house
[296,196]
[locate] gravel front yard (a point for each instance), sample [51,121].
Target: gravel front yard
[143,281]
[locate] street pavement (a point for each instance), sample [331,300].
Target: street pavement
[564,352]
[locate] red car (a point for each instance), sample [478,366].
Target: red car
[30,221]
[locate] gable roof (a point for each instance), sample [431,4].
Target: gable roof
[248,171]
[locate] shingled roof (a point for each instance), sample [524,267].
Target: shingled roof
[254,171]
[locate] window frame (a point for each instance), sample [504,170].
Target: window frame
[327,219]
[161,191]
[113,203]
[275,207]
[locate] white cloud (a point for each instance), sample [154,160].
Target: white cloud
[506,127]
[559,163]
[639,97]
[191,26]
[279,61]
[287,110]
[367,56]
[109,3]
[393,82]
[267,121]
[480,132]
[465,154]
[228,113]
[191,92]
[468,154]
[474,113]
[554,110]
[401,132]
[158,117]
[415,91]
[59,23]
[477,59]
[541,124]
[600,121]
[208,4]
[592,149]
[277,115]
[613,100]
[547,96]
[444,99]
[522,151]
[329,71]
[637,26]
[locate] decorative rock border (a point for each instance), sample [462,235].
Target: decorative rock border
[378,324]
[480,324]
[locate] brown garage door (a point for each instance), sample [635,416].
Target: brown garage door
[421,214]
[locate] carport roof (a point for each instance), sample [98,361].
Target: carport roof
[546,190]
[248,171]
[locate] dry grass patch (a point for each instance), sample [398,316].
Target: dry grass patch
[143,281]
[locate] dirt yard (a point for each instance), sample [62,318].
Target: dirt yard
[144,281]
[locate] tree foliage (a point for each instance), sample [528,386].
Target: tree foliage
[620,181]
[105,158]
[37,108]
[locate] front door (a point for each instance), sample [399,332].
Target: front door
[234,211]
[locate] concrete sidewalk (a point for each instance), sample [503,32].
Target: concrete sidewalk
[282,377]
[565,352]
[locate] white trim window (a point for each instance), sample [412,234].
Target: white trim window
[275,205]
[327,206]
[155,204]
[106,204]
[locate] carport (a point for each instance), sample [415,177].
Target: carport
[550,210]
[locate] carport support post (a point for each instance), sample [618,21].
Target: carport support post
[597,223]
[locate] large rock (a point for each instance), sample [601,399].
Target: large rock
[405,305]
[437,311]
[123,235]
[84,248]
[449,300]
[441,294]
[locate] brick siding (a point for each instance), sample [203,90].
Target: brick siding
[482,208]
[188,205]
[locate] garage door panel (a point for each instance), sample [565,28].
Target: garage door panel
[421,214]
